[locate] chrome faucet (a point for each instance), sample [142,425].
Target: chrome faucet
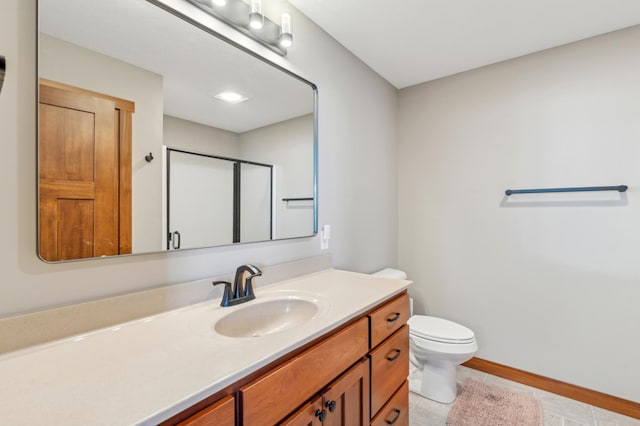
[239,293]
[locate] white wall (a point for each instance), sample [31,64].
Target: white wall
[286,145]
[195,137]
[550,284]
[256,197]
[357,115]
[74,65]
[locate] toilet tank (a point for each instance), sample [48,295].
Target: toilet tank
[397,274]
[391,273]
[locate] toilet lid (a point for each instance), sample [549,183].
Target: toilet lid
[439,330]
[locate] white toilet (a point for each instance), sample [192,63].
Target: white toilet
[437,346]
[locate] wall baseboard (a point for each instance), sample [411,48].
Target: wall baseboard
[598,399]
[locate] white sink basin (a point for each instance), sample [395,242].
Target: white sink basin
[268,317]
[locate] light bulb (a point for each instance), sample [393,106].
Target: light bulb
[286,37]
[219,2]
[256,19]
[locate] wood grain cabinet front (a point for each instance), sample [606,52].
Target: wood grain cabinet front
[389,354]
[309,415]
[221,413]
[389,368]
[344,403]
[396,410]
[272,397]
[388,318]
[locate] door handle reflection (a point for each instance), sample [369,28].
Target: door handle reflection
[175,240]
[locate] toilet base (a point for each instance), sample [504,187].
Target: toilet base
[438,383]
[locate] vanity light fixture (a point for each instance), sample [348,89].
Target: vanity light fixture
[231,97]
[248,18]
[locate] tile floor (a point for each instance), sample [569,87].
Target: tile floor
[558,410]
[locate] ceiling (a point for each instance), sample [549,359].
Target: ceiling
[194,65]
[409,42]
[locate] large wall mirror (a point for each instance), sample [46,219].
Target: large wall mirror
[137,154]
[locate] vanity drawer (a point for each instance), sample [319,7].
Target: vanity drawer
[389,368]
[396,411]
[271,397]
[221,413]
[388,318]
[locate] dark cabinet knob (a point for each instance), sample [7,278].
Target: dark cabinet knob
[331,405]
[321,414]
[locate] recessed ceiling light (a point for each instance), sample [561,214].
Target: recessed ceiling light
[231,97]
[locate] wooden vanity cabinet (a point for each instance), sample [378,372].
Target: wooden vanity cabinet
[356,375]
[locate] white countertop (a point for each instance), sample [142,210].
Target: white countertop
[145,371]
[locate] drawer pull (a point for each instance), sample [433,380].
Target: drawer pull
[394,317]
[331,405]
[395,419]
[394,356]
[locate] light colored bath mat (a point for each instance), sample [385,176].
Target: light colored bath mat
[479,404]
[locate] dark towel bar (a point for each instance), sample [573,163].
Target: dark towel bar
[619,188]
[297,199]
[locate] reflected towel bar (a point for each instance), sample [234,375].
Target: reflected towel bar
[297,199]
[619,188]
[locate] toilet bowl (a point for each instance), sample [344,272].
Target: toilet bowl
[437,346]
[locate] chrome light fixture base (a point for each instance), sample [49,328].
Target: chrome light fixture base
[236,13]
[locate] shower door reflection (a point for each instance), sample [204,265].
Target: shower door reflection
[214,201]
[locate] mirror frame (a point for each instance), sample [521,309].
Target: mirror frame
[192,21]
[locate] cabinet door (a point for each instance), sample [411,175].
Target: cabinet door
[273,396]
[346,402]
[309,415]
[221,413]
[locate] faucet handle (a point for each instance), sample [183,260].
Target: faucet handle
[246,273]
[248,288]
[226,294]
[253,271]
